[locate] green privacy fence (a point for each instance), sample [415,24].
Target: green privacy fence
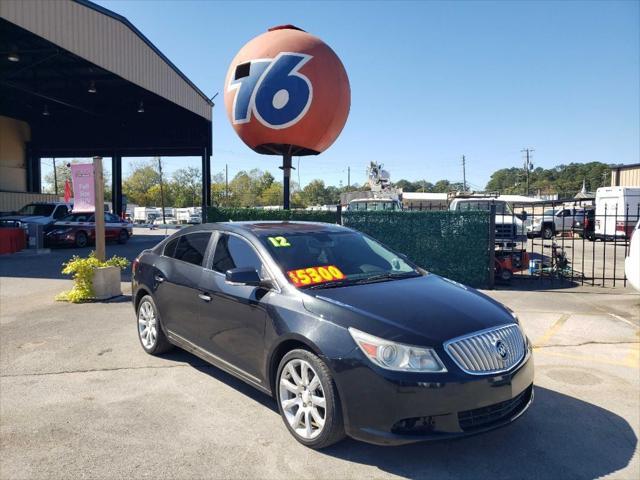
[452,244]
[219,214]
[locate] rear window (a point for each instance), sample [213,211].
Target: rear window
[191,247]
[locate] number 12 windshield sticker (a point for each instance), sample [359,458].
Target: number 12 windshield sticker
[279,241]
[273,90]
[315,275]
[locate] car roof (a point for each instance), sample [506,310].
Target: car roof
[261,227]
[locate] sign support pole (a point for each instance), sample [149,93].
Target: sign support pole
[286,183]
[99,207]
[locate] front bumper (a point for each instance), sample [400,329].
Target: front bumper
[395,408]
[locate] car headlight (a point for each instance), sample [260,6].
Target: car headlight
[396,356]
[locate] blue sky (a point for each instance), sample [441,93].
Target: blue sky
[431,81]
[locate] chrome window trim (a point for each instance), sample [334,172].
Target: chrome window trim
[516,364]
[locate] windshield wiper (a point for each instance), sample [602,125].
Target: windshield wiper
[332,284]
[383,277]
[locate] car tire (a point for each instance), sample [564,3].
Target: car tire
[81,240]
[320,402]
[150,333]
[123,237]
[547,232]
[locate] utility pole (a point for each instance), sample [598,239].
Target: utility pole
[164,222]
[348,178]
[226,185]
[464,174]
[528,165]
[55,177]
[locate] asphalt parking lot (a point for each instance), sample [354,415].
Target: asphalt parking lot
[80,398]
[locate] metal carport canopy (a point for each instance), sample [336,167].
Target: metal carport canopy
[66,45]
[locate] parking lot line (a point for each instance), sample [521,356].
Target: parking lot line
[551,331]
[630,361]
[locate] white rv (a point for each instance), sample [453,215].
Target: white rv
[617,212]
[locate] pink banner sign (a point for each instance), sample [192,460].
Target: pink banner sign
[84,198]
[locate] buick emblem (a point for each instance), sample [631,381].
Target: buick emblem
[501,349]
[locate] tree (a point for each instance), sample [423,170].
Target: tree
[186,187]
[142,186]
[315,193]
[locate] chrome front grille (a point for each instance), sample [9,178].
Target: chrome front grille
[488,351]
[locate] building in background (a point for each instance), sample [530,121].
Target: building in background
[625,175]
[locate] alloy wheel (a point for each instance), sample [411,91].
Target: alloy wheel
[147,325]
[302,399]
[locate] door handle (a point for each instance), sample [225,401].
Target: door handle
[158,278]
[204,296]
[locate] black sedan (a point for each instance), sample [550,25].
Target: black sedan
[348,336]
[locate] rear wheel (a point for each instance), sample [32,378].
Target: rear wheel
[547,232]
[150,333]
[81,240]
[308,400]
[123,236]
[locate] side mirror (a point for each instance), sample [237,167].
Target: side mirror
[246,276]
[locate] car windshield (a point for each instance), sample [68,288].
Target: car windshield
[334,259]
[37,209]
[484,206]
[373,205]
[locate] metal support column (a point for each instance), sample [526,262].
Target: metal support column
[34,182]
[286,183]
[116,184]
[206,183]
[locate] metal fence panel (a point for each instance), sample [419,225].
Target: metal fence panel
[456,245]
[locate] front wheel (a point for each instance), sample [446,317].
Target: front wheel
[81,240]
[308,400]
[123,236]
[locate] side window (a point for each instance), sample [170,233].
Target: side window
[233,252]
[192,247]
[109,218]
[61,211]
[170,247]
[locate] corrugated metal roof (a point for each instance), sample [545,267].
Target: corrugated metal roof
[110,41]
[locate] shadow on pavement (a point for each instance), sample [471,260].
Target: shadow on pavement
[559,437]
[179,355]
[48,265]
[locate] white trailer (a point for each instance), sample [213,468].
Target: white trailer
[617,212]
[186,214]
[146,214]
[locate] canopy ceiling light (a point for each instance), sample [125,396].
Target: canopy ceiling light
[13,56]
[92,87]
[45,111]
[141,107]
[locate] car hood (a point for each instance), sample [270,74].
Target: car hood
[426,310]
[27,218]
